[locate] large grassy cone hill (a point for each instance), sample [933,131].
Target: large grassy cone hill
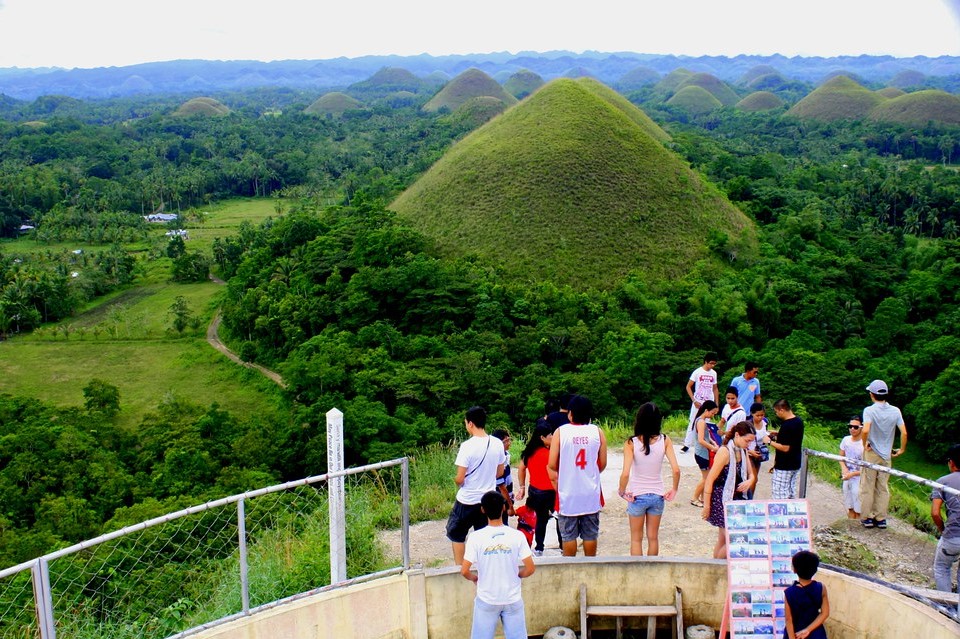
[694,100]
[760,101]
[907,79]
[670,82]
[472,83]
[757,71]
[567,187]
[891,92]
[637,78]
[388,80]
[839,98]
[717,87]
[523,83]
[919,108]
[202,106]
[333,103]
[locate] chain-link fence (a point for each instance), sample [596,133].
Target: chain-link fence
[910,503]
[209,563]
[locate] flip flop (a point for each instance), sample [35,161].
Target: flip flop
[696,502]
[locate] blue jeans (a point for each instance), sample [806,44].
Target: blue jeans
[646,504]
[947,554]
[485,618]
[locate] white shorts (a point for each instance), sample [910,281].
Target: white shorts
[851,493]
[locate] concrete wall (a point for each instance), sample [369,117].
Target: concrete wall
[438,603]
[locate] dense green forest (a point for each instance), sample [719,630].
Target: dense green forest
[856,278]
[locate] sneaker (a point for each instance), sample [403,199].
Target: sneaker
[684,449]
[869,523]
[881,523]
[538,553]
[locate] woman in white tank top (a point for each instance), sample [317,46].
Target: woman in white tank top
[641,481]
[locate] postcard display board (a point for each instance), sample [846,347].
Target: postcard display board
[762,536]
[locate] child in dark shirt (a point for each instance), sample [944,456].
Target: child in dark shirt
[807,606]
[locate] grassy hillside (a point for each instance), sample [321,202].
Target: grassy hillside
[202,106]
[566,187]
[760,101]
[673,80]
[757,71]
[523,83]
[472,83]
[629,109]
[839,98]
[714,85]
[694,100]
[919,108]
[333,103]
[638,78]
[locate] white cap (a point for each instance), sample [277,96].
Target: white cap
[878,387]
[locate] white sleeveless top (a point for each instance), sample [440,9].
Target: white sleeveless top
[578,476]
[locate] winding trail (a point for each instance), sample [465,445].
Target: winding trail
[213,338]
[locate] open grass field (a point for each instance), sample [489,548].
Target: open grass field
[144,371]
[224,218]
[126,338]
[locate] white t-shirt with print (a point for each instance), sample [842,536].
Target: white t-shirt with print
[480,456]
[703,383]
[497,552]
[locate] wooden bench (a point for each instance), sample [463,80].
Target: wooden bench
[674,611]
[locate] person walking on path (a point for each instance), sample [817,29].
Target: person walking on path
[948,548]
[496,558]
[641,480]
[701,386]
[730,478]
[479,462]
[851,447]
[880,424]
[708,442]
[542,496]
[788,442]
[748,385]
[578,454]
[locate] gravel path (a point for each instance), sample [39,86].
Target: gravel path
[904,554]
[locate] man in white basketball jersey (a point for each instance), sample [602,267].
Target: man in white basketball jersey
[578,454]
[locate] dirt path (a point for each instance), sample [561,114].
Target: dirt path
[213,338]
[903,554]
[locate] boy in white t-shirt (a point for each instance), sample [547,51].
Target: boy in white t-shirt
[501,557]
[851,447]
[479,462]
[701,386]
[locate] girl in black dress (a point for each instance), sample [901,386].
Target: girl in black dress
[730,478]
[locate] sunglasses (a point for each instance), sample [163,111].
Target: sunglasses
[855,427]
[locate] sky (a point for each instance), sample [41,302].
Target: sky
[92,33]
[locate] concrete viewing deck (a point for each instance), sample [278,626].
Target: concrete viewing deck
[438,603]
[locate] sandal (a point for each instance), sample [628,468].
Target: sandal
[696,502]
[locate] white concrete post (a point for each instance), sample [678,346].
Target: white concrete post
[336,498]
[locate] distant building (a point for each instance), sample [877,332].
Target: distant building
[24,228]
[178,233]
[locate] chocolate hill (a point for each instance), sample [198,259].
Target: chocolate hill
[569,186]
[472,83]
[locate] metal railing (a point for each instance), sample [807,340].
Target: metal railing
[97,588]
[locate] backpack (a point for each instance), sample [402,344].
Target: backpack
[714,434]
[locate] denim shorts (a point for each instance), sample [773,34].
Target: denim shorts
[647,504]
[586,527]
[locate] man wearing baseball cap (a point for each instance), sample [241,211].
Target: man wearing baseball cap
[880,424]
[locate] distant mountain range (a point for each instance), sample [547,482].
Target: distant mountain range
[207,76]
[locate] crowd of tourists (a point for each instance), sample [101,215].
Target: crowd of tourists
[558,479]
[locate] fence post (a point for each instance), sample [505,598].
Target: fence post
[43,598]
[802,490]
[336,500]
[405,510]
[244,566]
